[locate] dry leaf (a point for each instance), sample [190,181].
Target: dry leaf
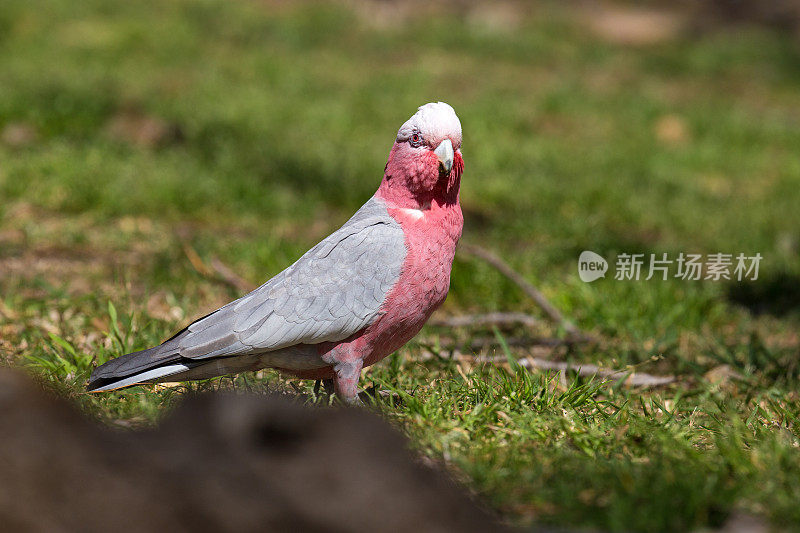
[19,134]
[637,27]
[672,130]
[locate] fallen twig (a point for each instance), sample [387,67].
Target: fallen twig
[218,271]
[488,319]
[196,261]
[634,379]
[525,285]
[480,343]
[230,277]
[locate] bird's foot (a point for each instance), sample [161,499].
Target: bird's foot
[327,385]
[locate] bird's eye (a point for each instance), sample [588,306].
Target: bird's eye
[416,139]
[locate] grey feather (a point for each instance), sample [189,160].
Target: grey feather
[155,374]
[336,289]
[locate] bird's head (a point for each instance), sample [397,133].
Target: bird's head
[425,163]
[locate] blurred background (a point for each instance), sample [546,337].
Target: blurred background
[139,140]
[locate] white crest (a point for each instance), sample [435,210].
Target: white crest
[433,121]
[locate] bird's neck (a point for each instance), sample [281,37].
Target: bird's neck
[416,186]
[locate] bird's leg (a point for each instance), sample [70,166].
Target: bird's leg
[345,380]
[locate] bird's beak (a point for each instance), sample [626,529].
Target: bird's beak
[445,154]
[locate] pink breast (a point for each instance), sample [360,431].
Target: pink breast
[422,287]
[424,280]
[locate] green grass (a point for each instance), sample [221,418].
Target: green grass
[285,117]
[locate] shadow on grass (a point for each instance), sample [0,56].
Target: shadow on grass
[776,294]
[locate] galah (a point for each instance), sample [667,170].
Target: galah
[354,298]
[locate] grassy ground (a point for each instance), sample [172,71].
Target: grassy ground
[249,130]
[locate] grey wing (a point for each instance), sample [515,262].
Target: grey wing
[336,289]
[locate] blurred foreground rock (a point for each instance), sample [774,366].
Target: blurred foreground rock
[221,463]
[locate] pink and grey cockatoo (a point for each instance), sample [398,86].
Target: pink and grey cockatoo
[350,301]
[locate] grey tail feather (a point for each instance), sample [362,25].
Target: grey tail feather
[152,375]
[143,366]
[126,367]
